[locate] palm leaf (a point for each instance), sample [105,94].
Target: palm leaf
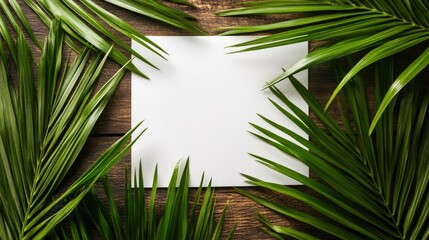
[42,133]
[88,26]
[141,223]
[383,27]
[372,186]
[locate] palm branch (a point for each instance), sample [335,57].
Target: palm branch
[86,23]
[175,221]
[383,28]
[43,131]
[372,186]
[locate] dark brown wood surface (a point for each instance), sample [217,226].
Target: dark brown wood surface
[116,120]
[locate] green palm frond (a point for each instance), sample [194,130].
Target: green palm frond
[383,28]
[86,22]
[42,132]
[176,221]
[373,187]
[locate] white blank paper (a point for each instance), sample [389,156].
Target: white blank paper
[200,103]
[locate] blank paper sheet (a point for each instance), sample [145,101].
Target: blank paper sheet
[199,105]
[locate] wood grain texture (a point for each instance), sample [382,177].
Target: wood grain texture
[116,120]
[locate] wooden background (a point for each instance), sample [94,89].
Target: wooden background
[116,121]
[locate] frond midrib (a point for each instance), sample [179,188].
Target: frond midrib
[384,13]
